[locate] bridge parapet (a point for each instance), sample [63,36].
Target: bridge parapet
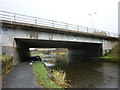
[51,23]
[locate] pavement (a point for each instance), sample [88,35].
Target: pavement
[21,76]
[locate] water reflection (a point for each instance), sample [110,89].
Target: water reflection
[49,64]
[88,73]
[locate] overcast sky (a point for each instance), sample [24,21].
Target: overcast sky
[69,11]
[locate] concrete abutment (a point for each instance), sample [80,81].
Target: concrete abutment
[85,52]
[21,52]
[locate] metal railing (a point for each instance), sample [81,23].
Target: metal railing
[51,23]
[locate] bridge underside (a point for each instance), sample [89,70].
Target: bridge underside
[35,43]
[75,49]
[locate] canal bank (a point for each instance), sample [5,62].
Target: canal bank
[112,55]
[49,78]
[41,76]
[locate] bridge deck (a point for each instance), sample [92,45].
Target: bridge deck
[27,26]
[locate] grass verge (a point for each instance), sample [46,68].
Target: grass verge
[60,78]
[41,76]
[7,63]
[109,59]
[111,56]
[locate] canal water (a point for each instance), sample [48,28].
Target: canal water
[85,73]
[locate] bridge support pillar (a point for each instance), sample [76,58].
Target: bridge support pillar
[84,53]
[21,52]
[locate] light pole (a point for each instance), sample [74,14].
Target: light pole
[92,14]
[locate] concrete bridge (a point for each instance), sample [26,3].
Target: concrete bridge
[20,32]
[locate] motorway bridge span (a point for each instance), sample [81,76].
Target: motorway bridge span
[18,37]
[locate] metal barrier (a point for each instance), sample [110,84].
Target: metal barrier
[50,23]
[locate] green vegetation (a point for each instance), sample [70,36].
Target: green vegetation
[59,78]
[50,61]
[7,63]
[60,62]
[38,54]
[59,53]
[112,55]
[41,76]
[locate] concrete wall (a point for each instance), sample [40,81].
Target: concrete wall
[52,36]
[12,48]
[85,52]
[107,45]
[7,41]
[21,52]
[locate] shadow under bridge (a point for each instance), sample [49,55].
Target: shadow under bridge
[76,50]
